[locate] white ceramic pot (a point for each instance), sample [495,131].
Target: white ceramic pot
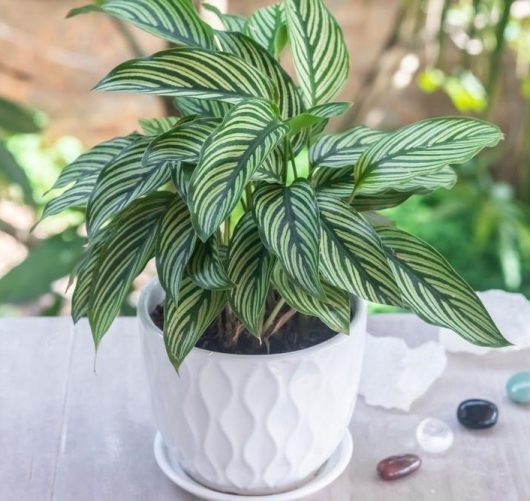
[253,424]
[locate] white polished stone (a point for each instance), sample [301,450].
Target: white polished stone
[434,436]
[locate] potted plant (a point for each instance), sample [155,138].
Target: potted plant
[265,237]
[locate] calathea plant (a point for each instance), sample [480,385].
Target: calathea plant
[246,206]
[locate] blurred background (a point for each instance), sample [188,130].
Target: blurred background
[410,59]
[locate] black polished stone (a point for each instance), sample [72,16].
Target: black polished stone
[477,414]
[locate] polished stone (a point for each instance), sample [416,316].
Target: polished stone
[434,435]
[477,414]
[394,467]
[518,388]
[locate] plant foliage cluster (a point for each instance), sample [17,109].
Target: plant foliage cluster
[243,197]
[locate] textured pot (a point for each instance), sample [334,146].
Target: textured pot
[252,424]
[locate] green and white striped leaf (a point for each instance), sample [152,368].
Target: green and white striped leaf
[319,52]
[289,100]
[173,20]
[210,108]
[157,126]
[344,149]
[182,143]
[175,244]
[228,161]
[181,173]
[271,170]
[250,268]
[81,175]
[230,22]
[186,321]
[122,181]
[422,148]
[130,245]
[334,310]
[340,182]
[289,225]
[433,289]
[186,72]
[351,254]
[267,27]
[86,272]
[206,268]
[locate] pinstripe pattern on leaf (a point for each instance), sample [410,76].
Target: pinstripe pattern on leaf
[173,20]
[319,52]
[206,268]
[86,272]
[130,245]
[351,254]
[187,320]
[343,149]
[230,22]
[122,181]
[433,289]
[186,72]
[289,225]
[239,45]
[182,143]
[228,161]
[180,175]
[201,107]
[250,268]
[81,175]
[334,310]
[175,243]
[157,126]
[423,148]
[267,27]
[271,170]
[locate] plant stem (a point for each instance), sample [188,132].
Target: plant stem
[293,163]
[274,313]
[248,192]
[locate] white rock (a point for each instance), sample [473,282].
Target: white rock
[511,313]
[394,375]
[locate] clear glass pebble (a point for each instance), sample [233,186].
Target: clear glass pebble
[434,436]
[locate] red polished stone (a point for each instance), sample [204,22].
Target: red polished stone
[394,467]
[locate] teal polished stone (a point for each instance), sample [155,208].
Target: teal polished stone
[518,388]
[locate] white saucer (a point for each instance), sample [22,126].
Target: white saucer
[333,467]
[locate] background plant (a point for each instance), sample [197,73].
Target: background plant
[266,208]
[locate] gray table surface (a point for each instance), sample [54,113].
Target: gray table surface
[67,433]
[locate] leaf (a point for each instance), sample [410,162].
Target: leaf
[17,119]
[334,310]
[121,181]
[434,290]
[206,268]
[182,143]
[209,108]
[13,173]
[186,321]
[250,268]
[316,115]
[351,254]
[289,100]
[422,148]
[35,275]
[344,149]
[380,201]
[265,26]
[289,225]
[319,52]
[130,245]
[272,168]
[186,72]
[175,244]
[81,175]
[157,126]
[173,20]
[180,175]
[229,159]
[230,22]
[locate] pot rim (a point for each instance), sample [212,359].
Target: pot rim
[337,339]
